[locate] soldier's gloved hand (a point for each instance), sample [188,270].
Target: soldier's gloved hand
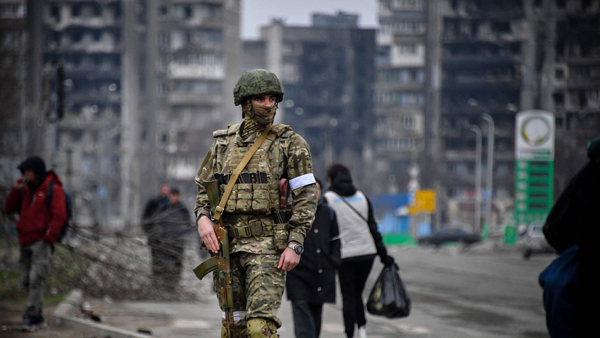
[206,230]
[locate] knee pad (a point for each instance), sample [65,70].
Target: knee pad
[236,330]
[261,328]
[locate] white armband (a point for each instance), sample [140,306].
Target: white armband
[301,181]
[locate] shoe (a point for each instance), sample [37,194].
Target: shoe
[31,323]
[362,332]
[39,321]
[27,324]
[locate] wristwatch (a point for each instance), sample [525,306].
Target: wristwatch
[297,247]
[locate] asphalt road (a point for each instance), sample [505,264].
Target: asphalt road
[473,293]
[455,293]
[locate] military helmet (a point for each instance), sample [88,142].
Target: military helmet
[255,82]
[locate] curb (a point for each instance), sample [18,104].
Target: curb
[64,316]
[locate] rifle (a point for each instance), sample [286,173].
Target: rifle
[221,261]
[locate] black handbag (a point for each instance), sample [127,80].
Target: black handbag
[389,298]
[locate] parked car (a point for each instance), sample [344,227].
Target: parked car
[449,235]
[534,241]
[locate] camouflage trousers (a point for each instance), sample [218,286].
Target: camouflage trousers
[35,262]
[257,287]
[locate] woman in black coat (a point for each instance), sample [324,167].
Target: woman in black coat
[312,282]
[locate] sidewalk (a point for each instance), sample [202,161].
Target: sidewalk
[203,319]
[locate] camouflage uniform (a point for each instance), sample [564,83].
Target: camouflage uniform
[253,216]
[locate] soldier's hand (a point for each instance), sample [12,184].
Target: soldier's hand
[288,260]
[206,229]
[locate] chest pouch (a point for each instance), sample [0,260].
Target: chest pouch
[251,197]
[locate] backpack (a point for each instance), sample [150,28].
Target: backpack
[68,203]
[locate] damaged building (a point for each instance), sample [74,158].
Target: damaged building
[327,71]
[145,83]
[499,58]
[399,95]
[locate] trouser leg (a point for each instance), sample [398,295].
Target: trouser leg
[304,322]
[25,267]
[171,263]
[317,314]
[354,274]
[348,290]
[40,265]
[265,284]
[362,274]
[154,243]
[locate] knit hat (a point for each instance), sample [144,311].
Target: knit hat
[337,169]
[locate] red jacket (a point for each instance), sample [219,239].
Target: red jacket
[37,221]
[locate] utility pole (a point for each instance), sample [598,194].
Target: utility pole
[477,225]
[490,169]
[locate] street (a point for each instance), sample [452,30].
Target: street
[476,293]
[455,293]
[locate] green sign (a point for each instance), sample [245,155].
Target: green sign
[533,190]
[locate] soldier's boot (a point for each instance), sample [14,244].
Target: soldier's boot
[237,330]
[261,328]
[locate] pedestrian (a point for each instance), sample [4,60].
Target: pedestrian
[267,229]
[173,223]
[571,228]
[361,242]
[38,228]
[152,228]
[312,282]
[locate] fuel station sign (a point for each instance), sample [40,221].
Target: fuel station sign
[534,172]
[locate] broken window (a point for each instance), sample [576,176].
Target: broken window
[96,10]
[210,10]
[501,27]
[560,49]
[55,13]
[75,10]
[76,36]
[383,54]
[205,37]
[408,49]
[559,99]
[559,73]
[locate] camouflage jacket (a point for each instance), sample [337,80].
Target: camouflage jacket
[255,199]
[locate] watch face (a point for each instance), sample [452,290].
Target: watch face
[299,249]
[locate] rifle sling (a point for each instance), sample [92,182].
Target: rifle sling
[221,207]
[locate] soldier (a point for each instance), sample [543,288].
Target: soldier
[266,228]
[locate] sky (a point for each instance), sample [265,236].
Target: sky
[257,13]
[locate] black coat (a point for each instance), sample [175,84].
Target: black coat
[313,279]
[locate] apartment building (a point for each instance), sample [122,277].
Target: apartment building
[570,79]
[499,58]
[146,83]
[199,63]
[327,71]
[399,96]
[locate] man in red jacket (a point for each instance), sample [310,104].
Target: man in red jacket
[38,228]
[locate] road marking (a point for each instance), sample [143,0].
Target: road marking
[191,324]
[412,329]
[333,328]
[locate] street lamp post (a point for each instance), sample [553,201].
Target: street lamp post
[490,169]
[477,224]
